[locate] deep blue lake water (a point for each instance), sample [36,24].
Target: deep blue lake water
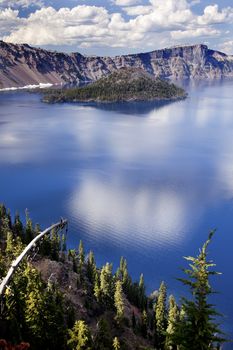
[142,180]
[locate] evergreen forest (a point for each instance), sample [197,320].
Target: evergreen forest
[60,299]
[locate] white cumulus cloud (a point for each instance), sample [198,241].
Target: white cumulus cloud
[8,20]
[138,10]
[194,33]
[155,24]
[226,46]
[20,3]
[126,2]
[212,15]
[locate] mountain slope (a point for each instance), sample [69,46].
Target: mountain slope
[21,65]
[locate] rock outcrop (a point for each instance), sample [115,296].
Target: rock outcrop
[22,65]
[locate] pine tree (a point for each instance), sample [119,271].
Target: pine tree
[80,337]
[197,329]
[127,285]
[9,219]
[116,344]
[122,272]
[91,267]
[161,315]
[18,226]
[45,246]
[34,311]
[81,255]
[142,289]
[141,284]
[106,283]
[63,243]
[63,248]
[97,290]
[118,301]
[4,222]
[72,257]
[144,323]
[29,232]
[173,318]
[10,246]
[103,338]
[55,245]
[123,265]
[54,324]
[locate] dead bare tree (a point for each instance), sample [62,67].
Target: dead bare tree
[58,226]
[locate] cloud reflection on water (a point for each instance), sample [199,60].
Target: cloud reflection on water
[168,145]
[150,177]
[131,214]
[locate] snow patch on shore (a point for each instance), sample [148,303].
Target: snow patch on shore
[26,87]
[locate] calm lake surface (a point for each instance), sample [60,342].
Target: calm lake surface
[141,180]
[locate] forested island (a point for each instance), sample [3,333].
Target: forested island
[60,299]
[125,84]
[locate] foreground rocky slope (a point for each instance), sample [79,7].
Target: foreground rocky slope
[59,299]
[21,65]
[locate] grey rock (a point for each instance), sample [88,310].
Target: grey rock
[21,65]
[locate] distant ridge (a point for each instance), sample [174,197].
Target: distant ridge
[21,65]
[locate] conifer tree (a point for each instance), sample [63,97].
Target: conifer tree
[97,290]
[91,267]
[63,243]
[55,245]
[122,273]
[10,246]
[34,307]
[72,256]
[52,314]
[80,337]
[29,232]
[173,318]
[116,344]
[106,283]
[4,222]
[144,323]
[118,301]
[9,219]
[197,329]
[63,248]
[18,226]
[129,289]
[161,315]
[141,284]
[142,296]
[103,338]
[45,246]
[81,255]
[126,281]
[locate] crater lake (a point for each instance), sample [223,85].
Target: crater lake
[146,181]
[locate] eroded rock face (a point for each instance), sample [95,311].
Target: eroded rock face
[22,65]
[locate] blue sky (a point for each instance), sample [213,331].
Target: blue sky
[117,26]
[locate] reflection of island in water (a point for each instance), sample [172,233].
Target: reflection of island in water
[135,107]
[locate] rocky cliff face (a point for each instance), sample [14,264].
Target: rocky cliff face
[22,65]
